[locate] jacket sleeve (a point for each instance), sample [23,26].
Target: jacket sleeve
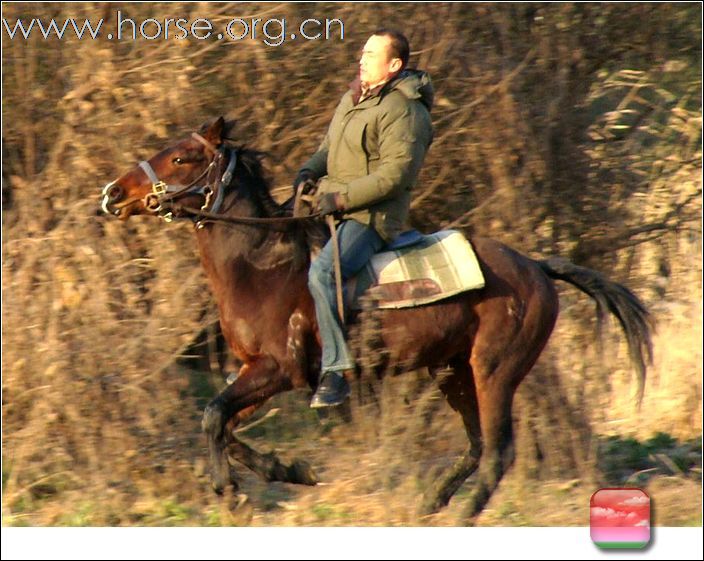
[318,162]
[404,138]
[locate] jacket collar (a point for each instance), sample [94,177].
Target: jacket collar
[356,87]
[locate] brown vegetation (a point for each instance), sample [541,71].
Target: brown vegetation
[571,129]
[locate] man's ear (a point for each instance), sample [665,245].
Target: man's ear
[213,132]
[396,65]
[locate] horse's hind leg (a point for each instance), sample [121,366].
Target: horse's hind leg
[495,402]
[495,388]
[460,392]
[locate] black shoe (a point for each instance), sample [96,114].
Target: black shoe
[332,390]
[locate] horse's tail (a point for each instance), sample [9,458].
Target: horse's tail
[619,300]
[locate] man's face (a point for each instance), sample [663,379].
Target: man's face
[375,65]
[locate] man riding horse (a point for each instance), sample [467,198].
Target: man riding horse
[367,165]
[477,344]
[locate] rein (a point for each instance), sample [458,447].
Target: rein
[215,217]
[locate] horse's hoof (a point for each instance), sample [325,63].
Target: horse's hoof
[217,486]
[219,483]
[428,507]
[301,472]
[219,473]
[431,504]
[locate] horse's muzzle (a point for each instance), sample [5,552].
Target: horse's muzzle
[112,193]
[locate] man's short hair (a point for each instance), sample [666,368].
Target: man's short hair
[398,47]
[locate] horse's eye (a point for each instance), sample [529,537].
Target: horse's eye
[178,161]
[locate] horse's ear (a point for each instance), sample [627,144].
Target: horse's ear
[228,130]
[213,131]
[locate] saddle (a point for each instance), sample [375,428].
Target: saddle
[416,269]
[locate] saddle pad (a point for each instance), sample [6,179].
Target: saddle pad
[439,266]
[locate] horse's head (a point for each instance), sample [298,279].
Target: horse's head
[182,171]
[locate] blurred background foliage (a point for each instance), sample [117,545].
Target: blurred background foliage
[567,128]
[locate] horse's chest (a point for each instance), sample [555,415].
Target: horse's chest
[242,339]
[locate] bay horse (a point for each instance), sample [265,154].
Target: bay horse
[489,338]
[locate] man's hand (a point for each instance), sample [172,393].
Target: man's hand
[307,178]
[330,203]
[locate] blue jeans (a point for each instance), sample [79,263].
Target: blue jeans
[357,245]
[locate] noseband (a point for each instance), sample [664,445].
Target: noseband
[164,195]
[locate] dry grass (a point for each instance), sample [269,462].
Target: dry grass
[544,139]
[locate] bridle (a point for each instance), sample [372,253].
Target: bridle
[162,200]
[163,196]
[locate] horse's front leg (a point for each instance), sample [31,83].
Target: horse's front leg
[258,381]
[269,466]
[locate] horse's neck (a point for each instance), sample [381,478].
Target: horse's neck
[239,258]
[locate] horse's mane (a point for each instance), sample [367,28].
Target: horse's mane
[257,188]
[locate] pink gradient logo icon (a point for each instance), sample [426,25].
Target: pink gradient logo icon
[620,518]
